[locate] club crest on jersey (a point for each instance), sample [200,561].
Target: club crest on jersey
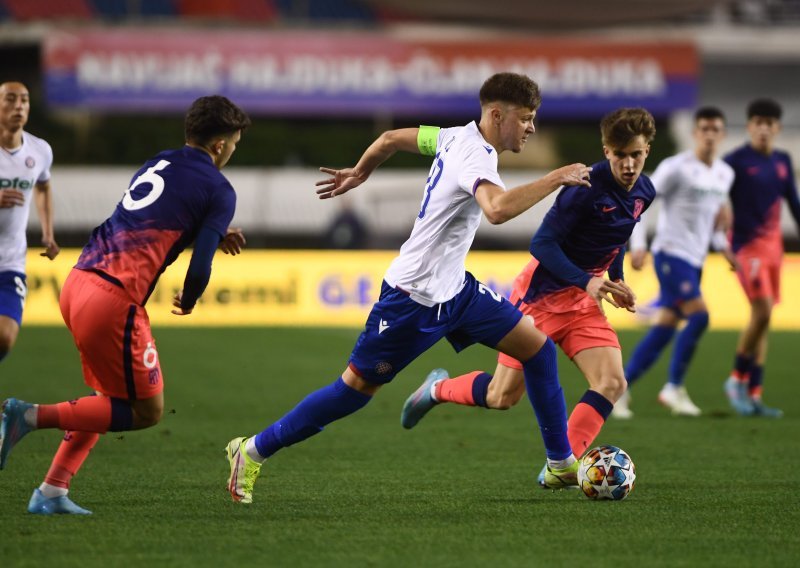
[638,207]
[782,170]
[30,162]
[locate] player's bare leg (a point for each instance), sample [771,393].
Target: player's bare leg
[602,367]
[757,326]
[506,389]
[9,329]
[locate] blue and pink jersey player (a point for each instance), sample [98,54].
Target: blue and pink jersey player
[176,198]
[583,235]
[154,222]
[762,182]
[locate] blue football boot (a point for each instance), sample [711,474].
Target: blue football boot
[739,397]
[12,426]
[761,409]
[41,505]
[421,401]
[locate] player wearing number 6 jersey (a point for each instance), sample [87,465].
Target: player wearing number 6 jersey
[176,198]
[426,293]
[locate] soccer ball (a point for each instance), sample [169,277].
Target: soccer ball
[606,472]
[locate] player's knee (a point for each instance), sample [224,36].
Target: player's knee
[761,318]
[7,339]
[613,386]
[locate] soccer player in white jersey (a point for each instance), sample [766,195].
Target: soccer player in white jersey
[693,188]
[25,162]
[426,293]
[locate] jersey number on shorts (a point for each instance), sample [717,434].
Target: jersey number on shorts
[484,290]
[21,289]
[433,178]
[149,176]
[755,265]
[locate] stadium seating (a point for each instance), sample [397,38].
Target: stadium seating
[243,11]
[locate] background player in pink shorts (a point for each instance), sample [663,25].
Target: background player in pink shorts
[764,177]
[176,198]
[582,237]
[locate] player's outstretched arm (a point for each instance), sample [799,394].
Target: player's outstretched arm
[387,144]
[546,247]
[198,273]
[500,206]
[44,206]
[233,242]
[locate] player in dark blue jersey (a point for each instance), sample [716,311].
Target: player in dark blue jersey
[582,237]
[176,198]
[764,178]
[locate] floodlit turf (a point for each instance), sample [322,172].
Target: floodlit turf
[459,490]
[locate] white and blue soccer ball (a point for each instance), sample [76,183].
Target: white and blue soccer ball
[606,472]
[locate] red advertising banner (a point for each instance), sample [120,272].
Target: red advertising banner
[306,73]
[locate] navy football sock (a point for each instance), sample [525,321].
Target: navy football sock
[480,388]
[547,399]
[310,416]
[756,378]
[742,364]
[685,345]
[647,352]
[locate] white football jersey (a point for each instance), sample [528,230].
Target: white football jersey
[691,194]
[21,169]
[430,266]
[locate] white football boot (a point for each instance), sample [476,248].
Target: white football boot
[622,410]
[677,399]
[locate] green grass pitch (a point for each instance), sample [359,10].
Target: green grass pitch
[459,490]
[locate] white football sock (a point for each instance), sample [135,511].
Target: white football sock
[51,491]
[561,464]
[252,451]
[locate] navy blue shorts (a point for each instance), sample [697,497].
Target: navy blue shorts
[399,330]
[679,281]
[13,289]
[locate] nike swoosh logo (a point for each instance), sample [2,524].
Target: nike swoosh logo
[608,209]
[382,326]
[488,149]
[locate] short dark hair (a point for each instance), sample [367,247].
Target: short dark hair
[764,107]
[621,126]
[708,113]
[213,116]
[512,88]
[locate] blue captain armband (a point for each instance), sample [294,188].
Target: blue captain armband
[427,137]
